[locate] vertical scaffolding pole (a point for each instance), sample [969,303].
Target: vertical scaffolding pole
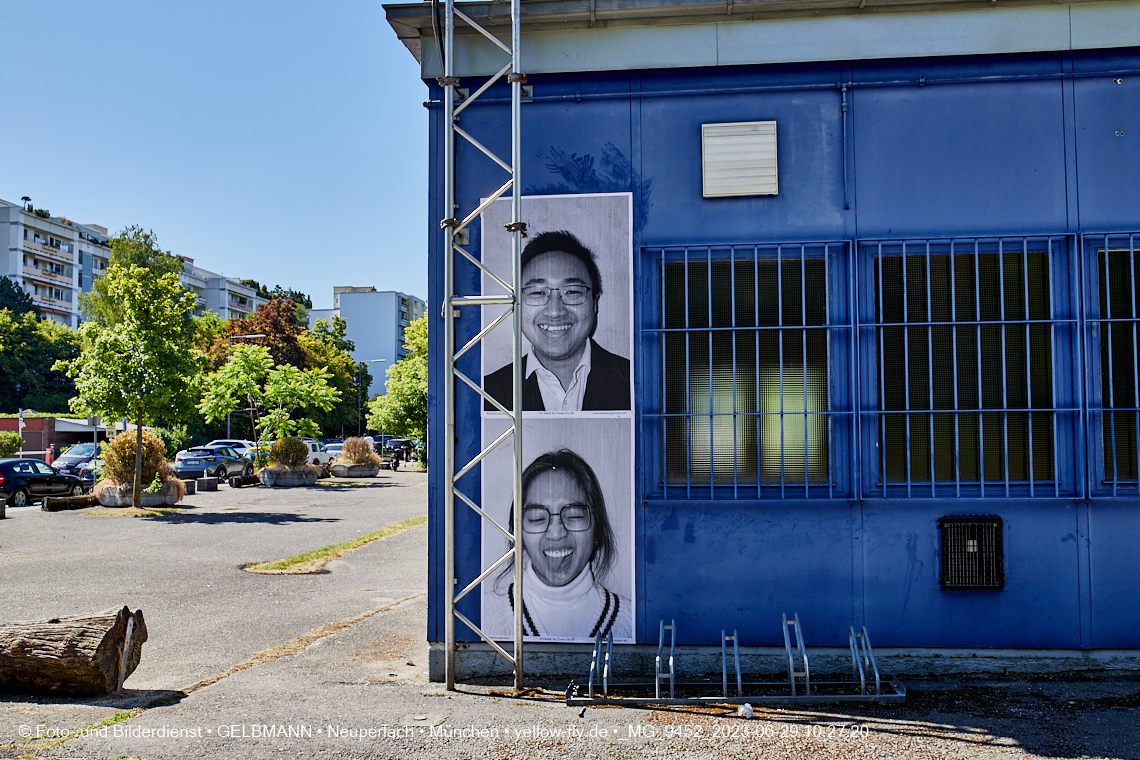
[452,302]
[517,78]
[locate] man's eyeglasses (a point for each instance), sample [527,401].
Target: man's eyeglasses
[575,518]
[571,295]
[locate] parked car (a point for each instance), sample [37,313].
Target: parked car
[318,452]
[334,449]
[24,481]
[75,457]
[211,462]
[240,445]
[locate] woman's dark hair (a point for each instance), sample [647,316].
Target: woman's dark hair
[604,550]
[564,242]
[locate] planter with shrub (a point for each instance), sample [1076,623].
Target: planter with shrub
[287,465]
[116,489]
[357,460]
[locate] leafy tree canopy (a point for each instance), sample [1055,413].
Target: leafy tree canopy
[142,366]
[131,247]
[276,321]
[344,373]
[335,334]
[14,299]
[402,411]
[271,394]
[29,349]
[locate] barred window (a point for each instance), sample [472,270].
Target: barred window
[1119,293]
[965,335]
[746,352]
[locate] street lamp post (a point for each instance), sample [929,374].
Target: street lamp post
[359,382]
[229,347]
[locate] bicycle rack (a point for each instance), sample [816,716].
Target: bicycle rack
[660,674]
[861,658]
[863,666]
[798,658]
[724,662]
[603,658]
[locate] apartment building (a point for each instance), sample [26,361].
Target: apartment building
[55,259]
[224,296]
[52,258]
[376,323]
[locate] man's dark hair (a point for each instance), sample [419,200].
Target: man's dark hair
[565,242]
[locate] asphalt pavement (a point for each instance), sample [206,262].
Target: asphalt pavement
[334,665]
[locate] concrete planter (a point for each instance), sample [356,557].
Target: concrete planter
[122,496]
[287,478]
[355,470]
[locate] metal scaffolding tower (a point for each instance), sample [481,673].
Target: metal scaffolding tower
[454,239]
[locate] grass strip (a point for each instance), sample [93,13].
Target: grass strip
[311,562]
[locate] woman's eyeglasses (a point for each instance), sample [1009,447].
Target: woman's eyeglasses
[575,518]
[572,295]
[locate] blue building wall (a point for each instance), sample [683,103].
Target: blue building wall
[1012,144]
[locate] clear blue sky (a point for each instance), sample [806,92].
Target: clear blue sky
[282,141]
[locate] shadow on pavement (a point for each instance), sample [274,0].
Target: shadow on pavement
[223,518]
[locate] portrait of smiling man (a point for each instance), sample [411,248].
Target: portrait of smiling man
[565,369]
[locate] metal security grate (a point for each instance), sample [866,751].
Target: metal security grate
[747,340]
[965,334]
[972,556]
[1118,292]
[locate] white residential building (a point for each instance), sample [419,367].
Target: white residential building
[55,259]
[376,322]
[52,258]
[225,296]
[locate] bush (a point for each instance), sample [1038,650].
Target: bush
[289,452]
[173,439]
[357,451]
[10,443]
[119,459]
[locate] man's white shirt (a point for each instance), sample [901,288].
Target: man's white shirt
[554,397]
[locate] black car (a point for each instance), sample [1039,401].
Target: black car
[211,462]
[23,481]
[72,460]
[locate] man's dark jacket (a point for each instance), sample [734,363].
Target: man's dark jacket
[607,387]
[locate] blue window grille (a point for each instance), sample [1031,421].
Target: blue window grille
[753,347]
[968,347]
[916,368]
[1113,294]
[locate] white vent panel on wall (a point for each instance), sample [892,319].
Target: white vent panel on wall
[739,159]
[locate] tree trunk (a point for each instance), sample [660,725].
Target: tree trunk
[80,655]
[138,461]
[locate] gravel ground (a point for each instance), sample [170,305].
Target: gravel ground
[359,689]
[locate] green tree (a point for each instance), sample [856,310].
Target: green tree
[402,410]
[272,395]
[131,247]
[10,443]
[142,366]
[343,374]
[29,349]
[334,335]
[14,299]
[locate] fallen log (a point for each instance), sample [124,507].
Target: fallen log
[81,655]
[61,503]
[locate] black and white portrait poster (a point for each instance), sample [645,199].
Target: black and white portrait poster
[578,513]
[577,296]
[576,302]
